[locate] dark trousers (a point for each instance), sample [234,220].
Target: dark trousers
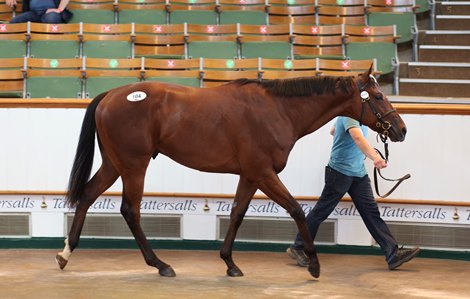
[38,16]
[360,190]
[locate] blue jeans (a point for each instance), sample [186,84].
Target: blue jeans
[38,16]
[360,190]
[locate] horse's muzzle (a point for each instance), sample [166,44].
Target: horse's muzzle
[397,135]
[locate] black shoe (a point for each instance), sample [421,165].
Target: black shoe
[402,256]
[299,256]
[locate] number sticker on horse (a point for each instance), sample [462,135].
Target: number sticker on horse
[136,96]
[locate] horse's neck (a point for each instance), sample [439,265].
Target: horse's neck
[309,114]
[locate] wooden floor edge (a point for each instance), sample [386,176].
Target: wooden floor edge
[231,196]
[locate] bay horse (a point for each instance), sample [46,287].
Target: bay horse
[245,127]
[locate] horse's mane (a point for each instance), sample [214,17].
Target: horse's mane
[303,86]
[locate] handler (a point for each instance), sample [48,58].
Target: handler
[346,173]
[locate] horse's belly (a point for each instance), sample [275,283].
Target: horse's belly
[206,160]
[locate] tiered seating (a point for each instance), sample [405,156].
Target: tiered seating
[160,41]
[137,11]
[378,42]
[334,67]
[286,68]
[179,71]
[193,12]
[219,71]
[267,41]
[318,41]
[252,12]
[453,15]
[295,12]
[104,74]
[443,66]
[54,40]
[64,75]
[95,12]
[212,41]
[296,30]
[107,40]
[284,41]
[13,40]
[88,77]
[423,6]
[340,12]
[401,13]
[11,78]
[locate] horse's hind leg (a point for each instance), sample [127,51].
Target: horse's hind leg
[101,181]
[245,192]
[275,189]
[130,210]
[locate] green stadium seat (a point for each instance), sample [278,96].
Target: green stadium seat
[252,12]
[13,40]
[107,41]
[11,78]
[373,42]
[220,71]
[394,12]
[54,40]
[160,41]
[311,41]
[256,39]
[331,12]
[54,78]
[94,12]
[287,68]
[212,41]
[137,11]
[105,74]
[422,6]
[193,12]
[177,71]
[335,67]
[295,12]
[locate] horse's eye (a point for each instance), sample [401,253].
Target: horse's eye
[379,97]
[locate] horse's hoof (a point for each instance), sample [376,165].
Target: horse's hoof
[61,261]
[234,272]
[167,272]
[314,270]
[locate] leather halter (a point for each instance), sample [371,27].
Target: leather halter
[385,125]
[381,123]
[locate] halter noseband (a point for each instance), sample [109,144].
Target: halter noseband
[381,123]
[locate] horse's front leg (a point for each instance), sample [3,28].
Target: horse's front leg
[243,196]
[272,186]
[130,210]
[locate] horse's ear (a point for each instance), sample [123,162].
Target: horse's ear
[365,77]
[369,72]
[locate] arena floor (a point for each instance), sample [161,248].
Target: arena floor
[201,274]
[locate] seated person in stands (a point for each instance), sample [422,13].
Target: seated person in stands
[42,11]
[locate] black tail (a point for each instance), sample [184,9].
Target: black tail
[83,162]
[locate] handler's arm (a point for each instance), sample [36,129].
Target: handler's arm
[362,143]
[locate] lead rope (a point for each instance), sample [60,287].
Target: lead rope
[376,170]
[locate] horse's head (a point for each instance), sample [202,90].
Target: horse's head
[374,109]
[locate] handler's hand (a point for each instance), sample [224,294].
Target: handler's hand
[380,163]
